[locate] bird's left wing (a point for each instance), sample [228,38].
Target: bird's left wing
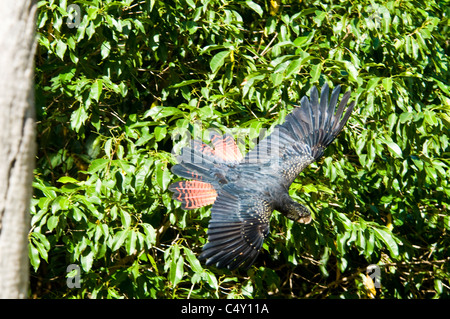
[238,226]
[304,135]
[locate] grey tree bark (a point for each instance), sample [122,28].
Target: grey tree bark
[17,142]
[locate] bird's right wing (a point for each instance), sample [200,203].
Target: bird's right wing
[304,135]
[239,223]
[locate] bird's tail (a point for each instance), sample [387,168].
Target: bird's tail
[193,194]
[204,166]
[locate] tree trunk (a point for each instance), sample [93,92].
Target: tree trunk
[17,142]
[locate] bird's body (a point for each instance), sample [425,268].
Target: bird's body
[244,191]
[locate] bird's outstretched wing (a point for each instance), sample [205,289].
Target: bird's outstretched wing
[304,135]
[239,223]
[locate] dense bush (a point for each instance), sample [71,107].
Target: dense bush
[115,93]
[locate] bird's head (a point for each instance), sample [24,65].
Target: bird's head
[302,213]
[294,211]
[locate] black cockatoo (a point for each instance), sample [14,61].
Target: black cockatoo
[244,191]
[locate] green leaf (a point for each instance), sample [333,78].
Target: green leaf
[394,149]
[361,241]
[98,164]
[387,238]
[387,83]
[96,90]
[160,133]
[352,71]
[293,68]
[372,84]
[52,222]
[158,112]
[126,166]
[176,270]
[105,49]
[193,261]
[150,233]
[125,218]
[67,179]
[218,60]
[303,40]
[255,7]
[60,203]
[438,286]
[87,259]
[185,83]
[406,117]
[162,175]
[142,174]
[118,239]
[131,242]
[60,49]
[78,118]
[315,72]
[430,118]
[211,279]
[309,188]
[370,243]
[250,80]
[41,244]
[77,213]
[191,3]
[33,254]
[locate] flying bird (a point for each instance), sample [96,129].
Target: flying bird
[244,191]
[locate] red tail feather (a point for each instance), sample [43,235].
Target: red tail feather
[225,147]
[193,194]
[196,193]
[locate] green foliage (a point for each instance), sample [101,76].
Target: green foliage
[113,94]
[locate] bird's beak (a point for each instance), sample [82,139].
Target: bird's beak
[304,220]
